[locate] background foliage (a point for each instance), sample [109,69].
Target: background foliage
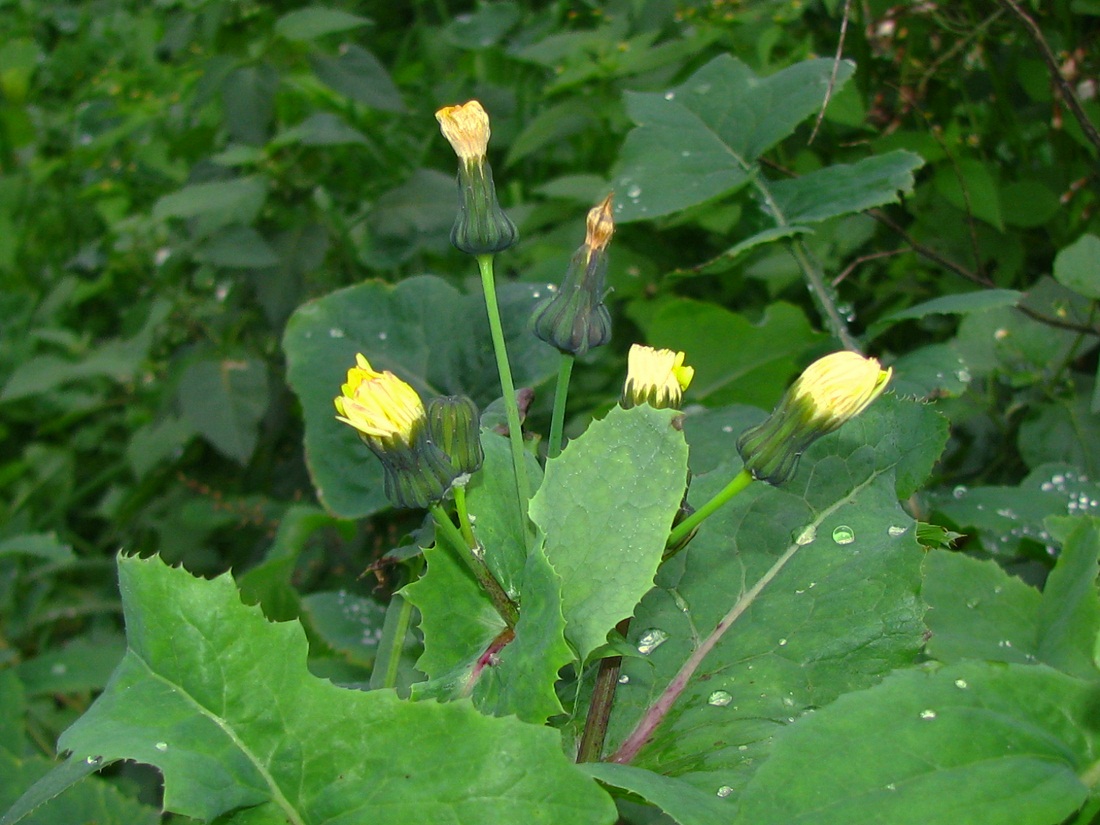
[177,178]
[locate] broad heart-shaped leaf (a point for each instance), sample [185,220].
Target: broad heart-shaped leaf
[839,614]
[701,139]
[221,701]
[978,611]
[976,743]
[605,508]
[843,188]
[425,331]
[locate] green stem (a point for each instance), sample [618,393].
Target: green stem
[599,708]
[470,554]
[464,524]
[508,389]
[394,631]
[561,393]
[740,481]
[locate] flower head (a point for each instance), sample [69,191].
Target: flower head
[481,227]
[466,128]
[575,319]
[831,391]
[657,377]
[379,404]
[390,419]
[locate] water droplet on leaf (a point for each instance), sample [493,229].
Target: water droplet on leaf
[927,714]
[844,534]
[650,640]
[724,791]
[719,698]
[808,534]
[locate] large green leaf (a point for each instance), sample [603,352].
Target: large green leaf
[1077,266]
[836,564]
[312,22]
[971,744]
[843,188]
[699,140]
[220,700]
[978,611]
[424,330]
[735,359]
[605,507]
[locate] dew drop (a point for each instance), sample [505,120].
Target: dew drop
[724,791]
[782,642]
[702,88]
[964,376]
[93,760]
[719,699]
[927,714]
[894,531]
[891,787]
[959,491]
[335,333]
[961,684]
[624,680]
[634,191]
[382,336]
[670,95]
[685,154]
[161,746]
[58,669]
[727,429]
[808,534]
[844,534]
[650,640]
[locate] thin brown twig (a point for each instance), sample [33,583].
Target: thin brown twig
[928,252]
[1064,86]
[862,259]
[836,70]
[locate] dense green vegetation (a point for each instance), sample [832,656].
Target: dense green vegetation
[207,208]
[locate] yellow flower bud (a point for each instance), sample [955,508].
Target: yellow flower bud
[390,418]
[466,128]
[829,392]
[481,227]
[657,377]
[379,404]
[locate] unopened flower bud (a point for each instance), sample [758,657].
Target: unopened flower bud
[832,390]
[575,318]
[481,227]
[656,377]
[454,428]
[391,420]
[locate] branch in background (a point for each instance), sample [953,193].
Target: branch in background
[836,68]
[1064,86]
[929,253]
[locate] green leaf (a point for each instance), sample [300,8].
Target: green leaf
[700,140]
[1064,430]
[1077,266]
[358,74]
[238,247]
[839,613]
[972,743]
[1069,613]
[320,129]
[493,503]
[84,664]
[722,262]
[754,362]
[216,204]
[425,331]
[845,188]
[248,95]
[224,400]
[349,624]
[45,546]
[1028,203]
[978,611]
[682,802]
[312,22]
[970,186]
[201,696]
[961,304]
[605,508]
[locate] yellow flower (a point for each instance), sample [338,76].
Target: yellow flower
[830,391]
[599,225]
[841,386]
[379,404]
[657,377]
[466,128]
